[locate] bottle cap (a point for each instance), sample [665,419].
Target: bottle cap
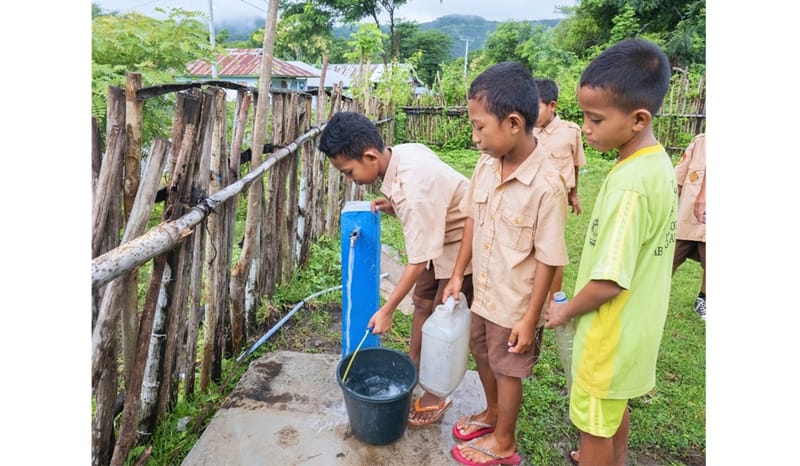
[559,296]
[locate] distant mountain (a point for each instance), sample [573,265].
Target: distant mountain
[240,28]
[460,28]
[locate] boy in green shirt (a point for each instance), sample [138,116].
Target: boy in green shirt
[623,282]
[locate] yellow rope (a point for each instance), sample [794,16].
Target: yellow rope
[347,370]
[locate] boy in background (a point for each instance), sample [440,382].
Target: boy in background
[691,236]
[561,140]
[424,193]
[624,276]
[514,236]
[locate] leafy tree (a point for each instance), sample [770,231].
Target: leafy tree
[677,25]
[352,11]
[305,32]
[434,47]
[365,45]
[504,43]
[158,50]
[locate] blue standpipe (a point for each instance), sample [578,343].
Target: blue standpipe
[361,268]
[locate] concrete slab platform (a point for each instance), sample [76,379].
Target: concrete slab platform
[288,409]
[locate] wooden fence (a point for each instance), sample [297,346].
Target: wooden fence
[141,348]
[681,116]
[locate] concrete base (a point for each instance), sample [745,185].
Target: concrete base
[288,409]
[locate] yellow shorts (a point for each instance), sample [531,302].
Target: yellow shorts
[595,416]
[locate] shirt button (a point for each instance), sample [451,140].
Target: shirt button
[486,246]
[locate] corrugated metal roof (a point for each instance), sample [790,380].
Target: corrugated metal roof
[331,76]
[247,62]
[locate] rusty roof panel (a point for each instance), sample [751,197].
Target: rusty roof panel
[247,62]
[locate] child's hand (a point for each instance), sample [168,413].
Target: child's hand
[380,322]
[521,338]
[453,287]
[382,204]
[554,315]
[575,203]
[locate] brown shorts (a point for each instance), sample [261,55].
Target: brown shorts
[686,249]
[491,340]
[428,287]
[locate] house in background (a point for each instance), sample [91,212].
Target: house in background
[376,71]
[243,66]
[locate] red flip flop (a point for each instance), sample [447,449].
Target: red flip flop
[514,459]
[484,430]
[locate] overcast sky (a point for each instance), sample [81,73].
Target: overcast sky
[417,10]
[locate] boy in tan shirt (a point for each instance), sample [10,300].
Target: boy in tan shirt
[514,236]
[691,235]
[425,194]
[562,141]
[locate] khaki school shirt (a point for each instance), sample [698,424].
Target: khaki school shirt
[426,193]
[516,223]
[562,142]
[690,172]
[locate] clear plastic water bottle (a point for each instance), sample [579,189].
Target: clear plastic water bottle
[565,336]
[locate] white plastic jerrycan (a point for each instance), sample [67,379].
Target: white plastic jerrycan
[445,344]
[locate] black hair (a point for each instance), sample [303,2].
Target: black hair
[349,134]
[635,72]
[548,90]
[507,87]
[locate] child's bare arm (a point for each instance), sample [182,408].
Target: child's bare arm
[589,298]
[453,286]
[381,321]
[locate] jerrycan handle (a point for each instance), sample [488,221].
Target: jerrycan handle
[450,303]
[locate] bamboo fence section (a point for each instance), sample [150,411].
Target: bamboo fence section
[148,345]
[683,113]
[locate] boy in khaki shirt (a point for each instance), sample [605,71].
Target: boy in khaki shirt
[562,141]
[425,194]
[691,235]
[514,236]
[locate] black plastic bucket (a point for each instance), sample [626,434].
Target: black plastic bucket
[377,393]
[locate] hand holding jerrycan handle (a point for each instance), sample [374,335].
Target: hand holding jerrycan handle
[445,347]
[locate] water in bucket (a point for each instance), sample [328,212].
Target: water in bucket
[377,393]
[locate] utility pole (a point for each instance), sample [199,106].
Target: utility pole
[211,34]
[466,53]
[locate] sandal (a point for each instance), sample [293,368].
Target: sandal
[514,459]
[417,408]
[484,430]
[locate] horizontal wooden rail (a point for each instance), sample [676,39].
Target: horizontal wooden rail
[166,236]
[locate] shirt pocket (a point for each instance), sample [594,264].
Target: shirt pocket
[515,229]
[695,175]
[481,204]
[397,197]
[561,156]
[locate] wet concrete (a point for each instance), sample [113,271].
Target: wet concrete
[288,409]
